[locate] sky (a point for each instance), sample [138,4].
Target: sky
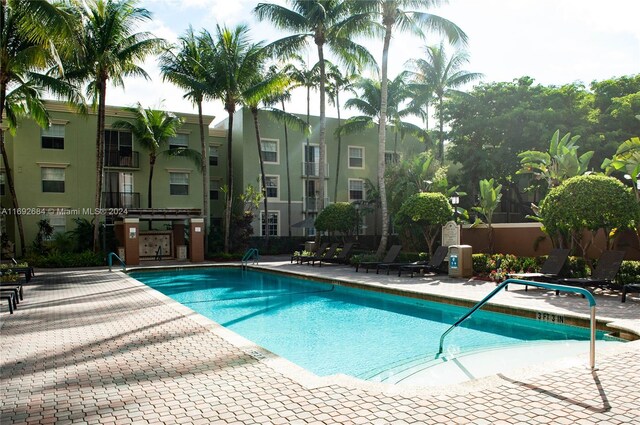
[555,42]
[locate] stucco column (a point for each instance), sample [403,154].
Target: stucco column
[196,239]
[131,241]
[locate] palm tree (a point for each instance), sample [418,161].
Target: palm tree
[184,66]
[442,75]
[338,82]
[235,60]
[153,130]
[287,120]
[368,104]
[327,22]
[24,54]
[391,14]
[108,49]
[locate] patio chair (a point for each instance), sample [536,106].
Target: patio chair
[11,300]
[26,271]
[323,247]
[389,258]
[341,258]
[603,275]
[550,270]
[11,290]
[629,288]
[329,253]
[434,265]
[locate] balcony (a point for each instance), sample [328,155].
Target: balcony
[312,169]
[312,204]
[121,199]
[122,159]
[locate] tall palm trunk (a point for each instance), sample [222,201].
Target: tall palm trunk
[323,127]
[102,92]
[229,201]
[381,142]
[335,191]
[256,124]
[204,164]
[441,135]
[152,163]
[5,157]
[286,147]
[304,162]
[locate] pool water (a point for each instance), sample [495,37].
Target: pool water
[330,329]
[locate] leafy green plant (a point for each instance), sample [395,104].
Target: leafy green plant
[629,272]
[56,259]
[425,213]
[590,202]
[489,200]
[340,217]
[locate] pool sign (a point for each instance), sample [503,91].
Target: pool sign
[453,261]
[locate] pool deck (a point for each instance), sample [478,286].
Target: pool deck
[93,346]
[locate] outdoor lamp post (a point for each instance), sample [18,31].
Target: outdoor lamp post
[455,200]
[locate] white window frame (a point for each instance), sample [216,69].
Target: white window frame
[392,154]
[171,173]
[53,131]
[277,143]
[179,141]
[277,214]
[216,150]
[361,149]
[53,167]
[214,183]
[2,183]
[277,177]
[364,193]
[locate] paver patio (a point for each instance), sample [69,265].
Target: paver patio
[98,347]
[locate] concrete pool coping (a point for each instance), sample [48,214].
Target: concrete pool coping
[97,347]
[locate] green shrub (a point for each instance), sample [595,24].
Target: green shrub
[629,273]
[485,265]
[58,259]
[340,217]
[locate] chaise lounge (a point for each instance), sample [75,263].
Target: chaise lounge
[434,265]
[341,258]
[628,289]
[603,275]
[391,256]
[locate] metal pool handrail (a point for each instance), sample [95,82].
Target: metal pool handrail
[251,254]
[110,261]
[552,286]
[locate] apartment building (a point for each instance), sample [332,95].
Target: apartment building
[55,178]
[295,159]
[54,172]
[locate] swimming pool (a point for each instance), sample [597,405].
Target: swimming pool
[331,329]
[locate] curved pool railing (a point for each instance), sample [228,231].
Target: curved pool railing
[552,286]
[110,261]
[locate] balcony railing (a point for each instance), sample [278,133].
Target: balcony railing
[312,169]
[312,204]
[124,159]
[121,199]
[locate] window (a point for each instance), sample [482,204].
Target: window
[356,190]
[179,141]
[119,148]
[269,150]
[53,137]
[1,184]
[57,221]
[272,183]
[356,157]
[391,158]
[271,227]
[213,156]
[214,190]
[52,179]
[179,183]
[311,166]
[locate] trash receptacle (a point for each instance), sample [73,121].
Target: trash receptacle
[460,261]
[309,246]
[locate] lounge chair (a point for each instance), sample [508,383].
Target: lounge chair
[630,288]
[10,298]
[389,258]
[329,253]
[11,290]
[608,265]
[434,265]
[26,271]
[321,248]
[550,270]
[341,258]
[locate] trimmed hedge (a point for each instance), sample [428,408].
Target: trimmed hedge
[67,259]
[487,265]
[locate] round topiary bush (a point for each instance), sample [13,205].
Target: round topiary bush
[426,213]
[339,217]
[589,202]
